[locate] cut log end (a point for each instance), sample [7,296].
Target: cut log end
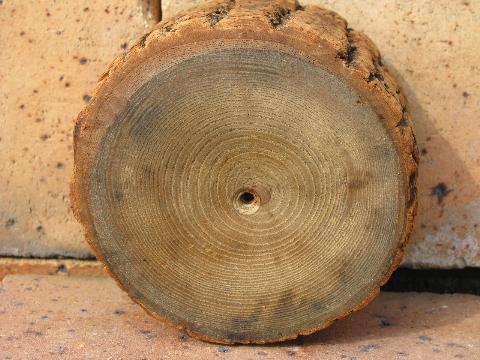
[242,180]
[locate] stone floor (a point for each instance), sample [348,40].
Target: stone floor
[88,317]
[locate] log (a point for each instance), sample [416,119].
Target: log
[247,171]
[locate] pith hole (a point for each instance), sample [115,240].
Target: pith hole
[247,197]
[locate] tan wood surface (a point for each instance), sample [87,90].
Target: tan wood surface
[247,171]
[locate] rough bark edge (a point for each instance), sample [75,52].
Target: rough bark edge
[352,56]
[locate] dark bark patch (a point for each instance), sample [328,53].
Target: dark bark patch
[279,17]
[220,13]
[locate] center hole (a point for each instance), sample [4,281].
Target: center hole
[247,197]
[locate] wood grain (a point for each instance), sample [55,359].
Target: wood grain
[247,171]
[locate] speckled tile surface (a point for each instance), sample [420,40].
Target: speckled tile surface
[9,266]
[53,54]
[68,317]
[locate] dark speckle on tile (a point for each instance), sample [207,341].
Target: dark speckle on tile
[59,350]
[147,334]
[33,332]
[440,190]
[425,338]
[183,337]
[384,322]
[368,347]
[10,222]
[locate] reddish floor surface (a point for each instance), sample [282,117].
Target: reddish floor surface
[73,317]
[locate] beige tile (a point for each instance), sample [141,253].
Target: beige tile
[52,54]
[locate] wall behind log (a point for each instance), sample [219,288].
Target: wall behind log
[54,53]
